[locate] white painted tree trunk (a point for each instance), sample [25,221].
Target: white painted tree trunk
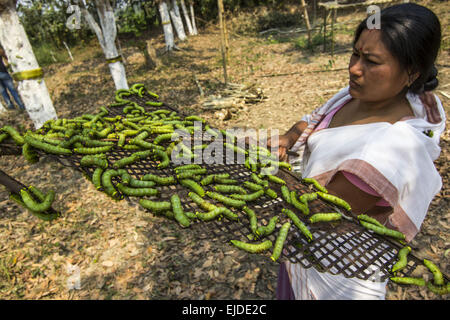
[106,35]
[2,108]
[20,54]
[194,26]
[177,22]
[186,18]
[167,26]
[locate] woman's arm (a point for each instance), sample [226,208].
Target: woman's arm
[287,140]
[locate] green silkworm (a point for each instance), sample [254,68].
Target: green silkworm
[227,213]
[298,223]
[286,194]
[14,134]
[107,183]
[135,183]
[202,203]
[271,193]
[164,159]
[187,174]
[383,230]
[33,205]
[259,181]
[333,199]
[209,215]
[92,150]
[194,118]
[235,148]
[306,197]
[299,205]
[29,154]
[316,184]
[93,161]
[159,180]
[408,280]
[275,179]
[47,147]
[164,137]
[143,154]
[194,186]
[438,278]
[252,218]
[263,231]
[252,247]
[248,197]
[402,259]
[213,178]
[177,209]
[154,104]
[279,243]
[441,290]
[252,186]
[190,215]
[368,219]
[137,192]
[325,217]
[124,162]
[41,215]
[155,206]
[225,180]
[187,167]
[225,200]
[226,188]
[97,177]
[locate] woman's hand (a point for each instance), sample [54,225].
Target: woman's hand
[281,144]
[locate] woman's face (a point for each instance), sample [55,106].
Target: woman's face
[375,75]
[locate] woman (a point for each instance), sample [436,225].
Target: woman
[374,143]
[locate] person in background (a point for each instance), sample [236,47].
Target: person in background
[6,83]
[373,143]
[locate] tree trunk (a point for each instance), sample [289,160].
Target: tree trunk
[186,17]
[106,35]
[194,26]
[20,54]
[177,22]
[167,26]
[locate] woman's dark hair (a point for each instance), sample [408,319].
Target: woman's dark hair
[412,34]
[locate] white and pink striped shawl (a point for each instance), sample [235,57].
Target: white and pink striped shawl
[396,160]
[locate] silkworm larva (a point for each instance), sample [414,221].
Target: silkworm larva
[275,179]
[194,186]
[383,230]
[163,157]
[306,197]
[212,177]
[155,206]
[141,183]
[92,160]
[177,209]
[279,243]
[164,137]
[252,218]
[225,200]
[368,219]
[299,205]
[49,148]
[298,223]
[187,167]
[14,134]
[269,228]
[402,259]
[252,247]
[286,194]
[336,200]
[441,290]
[225,180]
[107,183]
[124,162]
[187,174]
[29,154]
[253,186]
[325,217]
[316,184]
[159,180]
[41,215]
[438,278]
[226,188]
[235,148]
[37,206]
[202,203]
[248,197]
[97,178]
[137,192]
[271,193]
[209,215]
[259,181]
[194,118]
[92,150]
[408,280]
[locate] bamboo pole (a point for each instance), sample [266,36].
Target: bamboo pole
[308,25]
[222,40]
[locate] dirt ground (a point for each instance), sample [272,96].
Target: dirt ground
[122,252]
